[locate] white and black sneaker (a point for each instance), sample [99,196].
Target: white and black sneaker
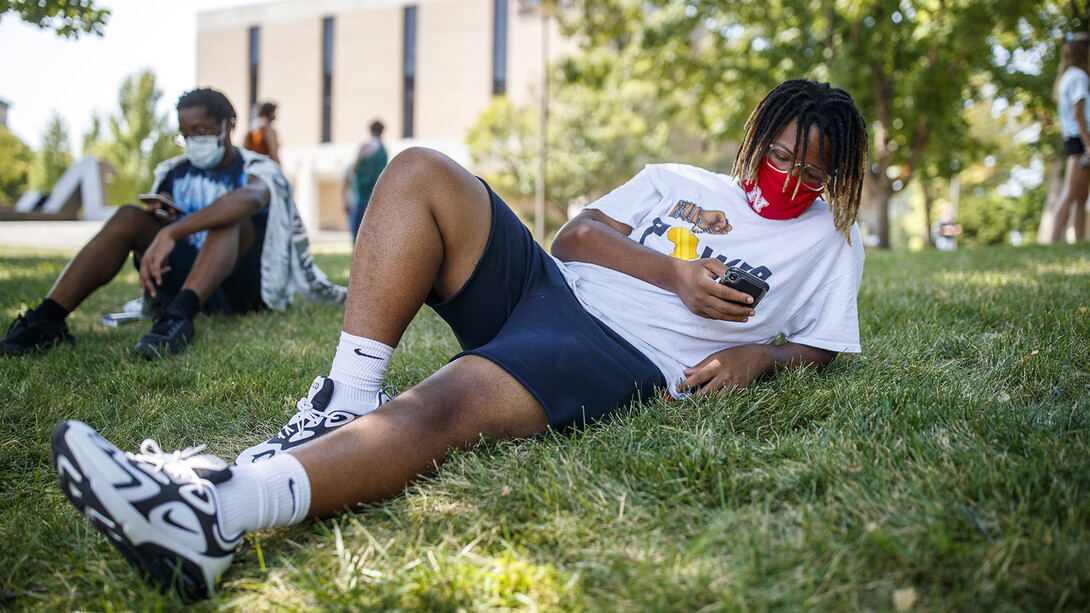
[311,421]
[160,510]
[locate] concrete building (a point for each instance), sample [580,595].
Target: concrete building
[3,112]
[425,68]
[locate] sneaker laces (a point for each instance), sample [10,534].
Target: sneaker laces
[164,322]
[180,466]
[21,322]
[306,417]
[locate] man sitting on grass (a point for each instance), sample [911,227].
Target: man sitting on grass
[227,238]
[629,305]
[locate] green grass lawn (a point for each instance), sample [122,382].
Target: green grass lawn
[945,468]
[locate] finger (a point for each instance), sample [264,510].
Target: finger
[690,384]
[727,311]
[157,274]
[145,282]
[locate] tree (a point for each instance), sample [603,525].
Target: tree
[54,157]
[67,18]
[134,140]
[604,125]
[910,65]
[597,138]
[15,158]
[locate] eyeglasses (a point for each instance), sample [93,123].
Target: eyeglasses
[782,160]
[179,138]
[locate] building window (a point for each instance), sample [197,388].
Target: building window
[499,48]
[255,60]
[409,60]
[327,79]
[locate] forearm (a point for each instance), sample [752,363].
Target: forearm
[739,366]
[591,238]
[227,210]
[1080,119]
[793,355]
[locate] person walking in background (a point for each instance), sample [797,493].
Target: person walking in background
[262,136]
[1072,95]
[369,164]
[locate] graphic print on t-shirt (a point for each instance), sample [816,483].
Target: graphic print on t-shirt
[685,239]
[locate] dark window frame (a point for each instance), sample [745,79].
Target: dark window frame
[327,79]
[408,58]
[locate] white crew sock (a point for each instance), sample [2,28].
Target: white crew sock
[266,494]
[357,372]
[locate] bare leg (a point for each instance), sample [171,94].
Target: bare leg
[1074,193]
[130,229]
[377,455]
[1078,219]
[223,248]
[426,227]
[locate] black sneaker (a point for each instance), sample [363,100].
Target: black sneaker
[169,335]
[160,510]
[309,422]
[28,332]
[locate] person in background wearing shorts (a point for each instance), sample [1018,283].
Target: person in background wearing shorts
[225,243]
[628,305]
[1072,96]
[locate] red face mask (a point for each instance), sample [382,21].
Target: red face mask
[772,198]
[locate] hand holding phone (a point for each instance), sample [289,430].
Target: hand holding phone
[745,282]
[161,206]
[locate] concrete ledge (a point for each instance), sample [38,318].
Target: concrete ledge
[70,236]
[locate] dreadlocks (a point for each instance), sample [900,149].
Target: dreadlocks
[842,128]
[215,104]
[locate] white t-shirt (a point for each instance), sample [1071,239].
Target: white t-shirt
[1074,86]
[812,272]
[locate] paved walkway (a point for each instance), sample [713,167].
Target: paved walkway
[71,235]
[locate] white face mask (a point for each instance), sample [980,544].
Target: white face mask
[206,151]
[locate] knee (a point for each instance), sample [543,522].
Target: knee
[129,213]
[130,220]
[420,168]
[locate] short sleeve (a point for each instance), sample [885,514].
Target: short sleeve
[632,202]
[167,184]
[1078,87]
[830,321]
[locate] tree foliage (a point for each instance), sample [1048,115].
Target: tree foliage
[53,158]
[133,140]
[702,65]
[909,65]
[68,18]
[597,136]
[15,160]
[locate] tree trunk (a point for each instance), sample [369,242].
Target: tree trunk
[876,194]
[928,202]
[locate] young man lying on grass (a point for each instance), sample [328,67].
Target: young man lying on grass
[629,304]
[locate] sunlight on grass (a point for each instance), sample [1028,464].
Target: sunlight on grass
[942,469]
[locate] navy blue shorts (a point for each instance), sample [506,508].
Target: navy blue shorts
[517,311]
[239,293]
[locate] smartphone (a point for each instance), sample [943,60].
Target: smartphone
[745,282]
[167,208]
